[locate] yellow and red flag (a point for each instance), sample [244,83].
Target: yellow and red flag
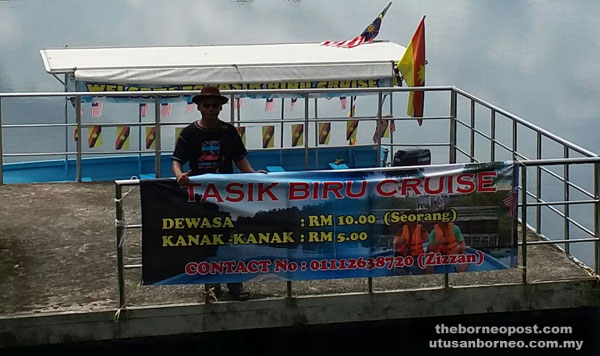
[351,127]
[242,133]
[297,135]
[94,136]
[412,67]
[267,136]
[150,137]
[122,140]
[324,130]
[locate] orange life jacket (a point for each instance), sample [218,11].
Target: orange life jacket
[449,245]
[414,242]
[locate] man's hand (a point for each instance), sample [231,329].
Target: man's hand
[183,179]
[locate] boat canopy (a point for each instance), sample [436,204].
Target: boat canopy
[233,67]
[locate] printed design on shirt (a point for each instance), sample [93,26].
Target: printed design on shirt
[210,157]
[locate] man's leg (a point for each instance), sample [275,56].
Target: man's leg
[237,291]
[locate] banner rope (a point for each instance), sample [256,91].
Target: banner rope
[117,315]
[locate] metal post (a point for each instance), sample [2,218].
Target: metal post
[538,190]
[493,135]
[597,216]
[316,136]
[79,138]
[66,165]
[566,196]
[472,148]
[1,151]
[281,133]
[120,232]
[370,284]
[524,221]
[157,144]
[514,143]
[306,131]
[378,129]
[391,153]
[289,289]
[452,153]
[140,128]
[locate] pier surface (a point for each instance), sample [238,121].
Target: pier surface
[58,280]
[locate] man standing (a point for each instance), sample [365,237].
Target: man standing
[211,146]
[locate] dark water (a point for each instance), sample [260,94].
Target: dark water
[388,337]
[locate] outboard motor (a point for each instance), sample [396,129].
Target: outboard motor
[412,157]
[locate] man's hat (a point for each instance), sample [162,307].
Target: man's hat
[210,93]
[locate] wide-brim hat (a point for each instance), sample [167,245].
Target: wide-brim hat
[210,93]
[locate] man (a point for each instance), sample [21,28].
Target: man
[211,146]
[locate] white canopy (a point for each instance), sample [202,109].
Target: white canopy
[225,64]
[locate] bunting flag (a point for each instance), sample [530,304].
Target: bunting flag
[237,103]
[122,140]
[368,35]
[190,106]
[242,133]
[343,102]
[511,202]
[143,109]
[267,136]
[352,111]
[351,128]
[387,126]
[96,108]
[150,137]
[324,130]
[177,133]
[297,135]
[412,67]
[94,136]
[269,105]
[293,103]
[165,109]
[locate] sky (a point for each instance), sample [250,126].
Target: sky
[536,59]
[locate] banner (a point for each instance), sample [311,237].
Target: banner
[325,225]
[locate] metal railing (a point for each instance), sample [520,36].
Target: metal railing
[481,121]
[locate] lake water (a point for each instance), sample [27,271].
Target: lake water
[538,59]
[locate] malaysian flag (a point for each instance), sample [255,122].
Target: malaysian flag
[96,108]
[343,101]
[165,109]
[368,35]
[143,109]
[511,203]
[237,103]
[293,103]
[269,105]
[190,106]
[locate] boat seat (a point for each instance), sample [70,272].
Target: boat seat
[334,165]
[275,169]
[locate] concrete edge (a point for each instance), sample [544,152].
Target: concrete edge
[52,328]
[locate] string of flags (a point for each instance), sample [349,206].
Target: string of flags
[123,134]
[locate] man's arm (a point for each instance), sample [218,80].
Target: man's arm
[245,166]
[182,177]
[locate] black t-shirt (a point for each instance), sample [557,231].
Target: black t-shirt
[209,151]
